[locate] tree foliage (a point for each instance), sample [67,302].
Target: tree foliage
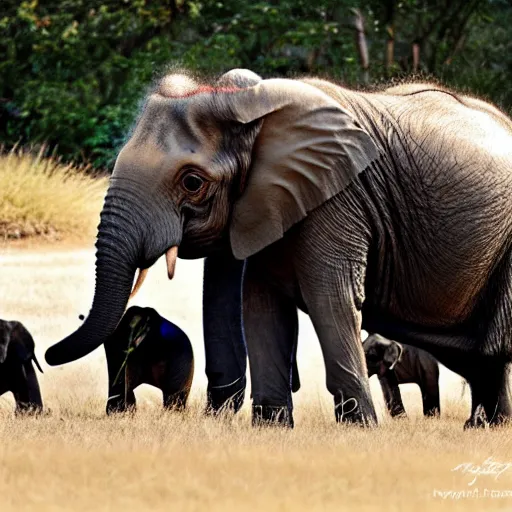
[72,72]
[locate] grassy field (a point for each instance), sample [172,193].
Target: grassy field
[77,459]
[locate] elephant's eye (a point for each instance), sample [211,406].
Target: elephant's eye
[192,183]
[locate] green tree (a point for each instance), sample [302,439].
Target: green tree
[72,72]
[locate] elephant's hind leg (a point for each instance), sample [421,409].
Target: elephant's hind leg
[494,385]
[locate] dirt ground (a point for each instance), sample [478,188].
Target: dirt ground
[77,459]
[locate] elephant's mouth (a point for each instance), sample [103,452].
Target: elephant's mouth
[170,258]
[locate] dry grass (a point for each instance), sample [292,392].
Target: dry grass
[41,197]
[77,459]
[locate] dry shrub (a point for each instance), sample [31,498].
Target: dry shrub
[41,197]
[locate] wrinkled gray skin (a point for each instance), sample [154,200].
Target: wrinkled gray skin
[387,211]
[148,349]
[17,374]
[395,364]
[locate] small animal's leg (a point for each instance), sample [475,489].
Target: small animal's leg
[120,397]
[392,395]
[121,403]
[26,391]
[430,392]
[431,403]
[175,401]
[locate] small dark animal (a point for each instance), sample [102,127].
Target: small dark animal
[396,364]
[17,374]
[148,349]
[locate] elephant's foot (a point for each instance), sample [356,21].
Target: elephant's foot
[23,409]
[353,411]
[478,419]
[272,415]
[500,419]
[117,404]
[433,412]
[397,412]
[175,401]
[225,398]
[499,412]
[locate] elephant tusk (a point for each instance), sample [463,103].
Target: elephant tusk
[170,257]
[140,279]
[34,358]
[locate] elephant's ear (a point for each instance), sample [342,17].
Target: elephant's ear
[5,340]
[309,148]
[393,354]
[22,342]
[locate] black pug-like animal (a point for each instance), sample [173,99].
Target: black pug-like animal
[396,364]
[17,374]
[146,348]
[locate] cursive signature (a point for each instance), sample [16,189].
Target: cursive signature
[489,467]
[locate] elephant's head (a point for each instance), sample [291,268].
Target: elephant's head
[17,352]
[381,354]
[234,165]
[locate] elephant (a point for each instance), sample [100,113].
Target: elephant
[147,348]
[17,374]
[395,364]
[387,211]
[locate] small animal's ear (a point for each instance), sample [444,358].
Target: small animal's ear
[308,149]
[22,342]
[392,354]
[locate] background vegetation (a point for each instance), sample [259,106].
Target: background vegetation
[72,72]
[41,197]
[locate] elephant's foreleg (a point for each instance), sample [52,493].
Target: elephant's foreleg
[26,391]
[271,332]
[225,351]
[333,294]
[392,395]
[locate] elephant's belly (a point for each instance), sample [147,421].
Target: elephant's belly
[440,289]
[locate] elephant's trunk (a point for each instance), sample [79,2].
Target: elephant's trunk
[129,237]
